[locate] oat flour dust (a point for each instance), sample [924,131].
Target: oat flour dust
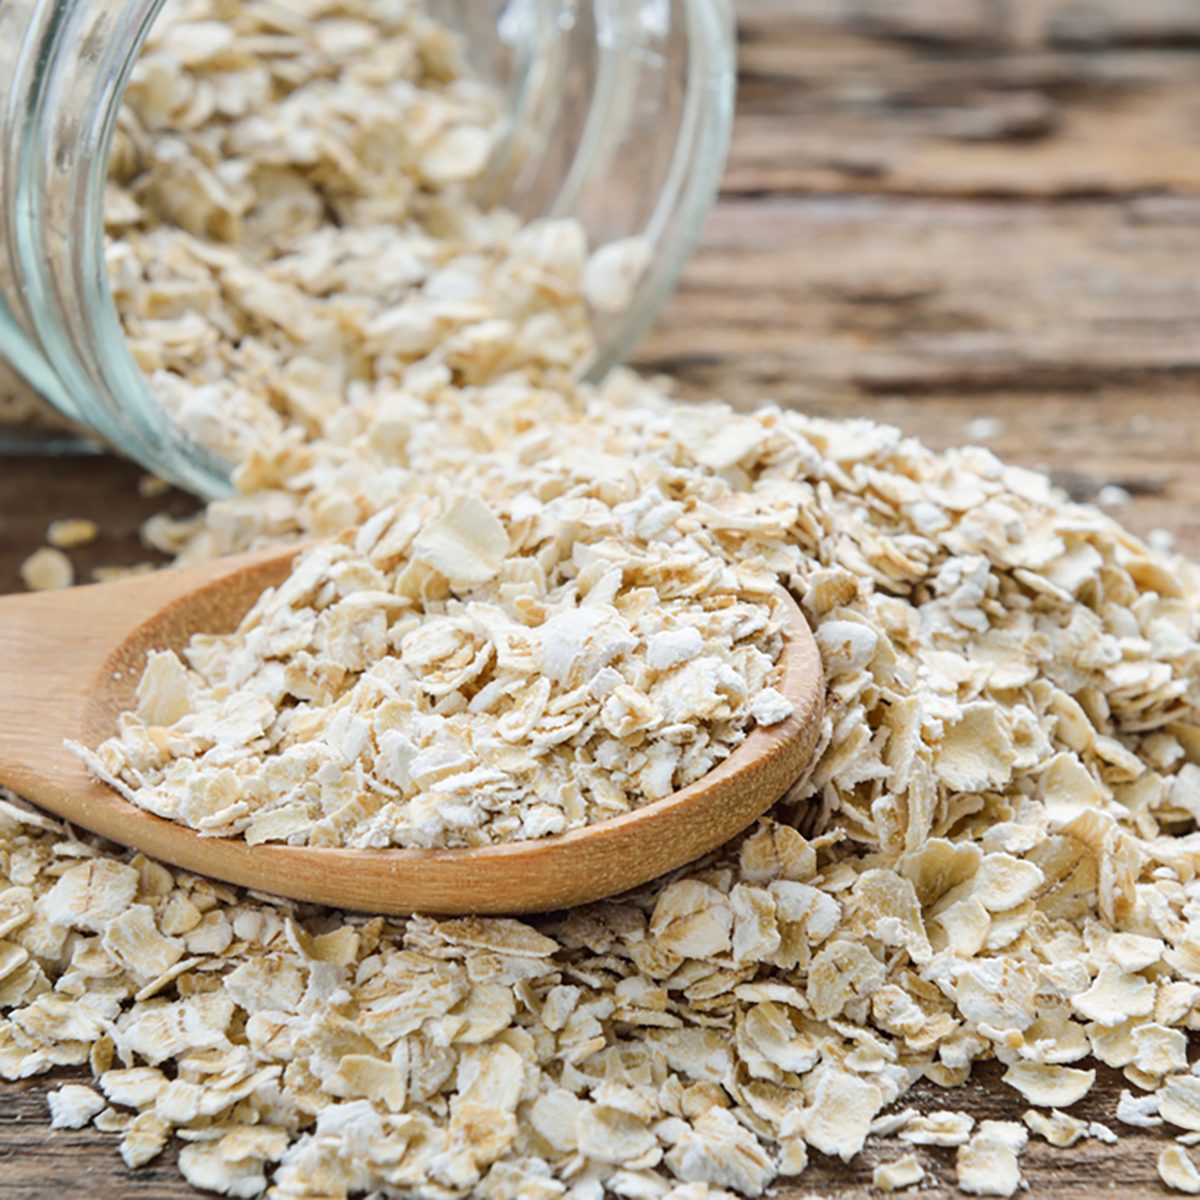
[993,856]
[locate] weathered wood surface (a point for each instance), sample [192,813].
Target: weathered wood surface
[970,218]
[37,1162]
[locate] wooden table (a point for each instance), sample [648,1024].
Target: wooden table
[976,219]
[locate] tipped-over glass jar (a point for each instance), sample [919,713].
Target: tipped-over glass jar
[614,112]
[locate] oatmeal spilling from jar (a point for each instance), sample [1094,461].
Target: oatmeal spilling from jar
[448,676]
[291,231]
[992,857]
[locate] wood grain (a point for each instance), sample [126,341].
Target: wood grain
[937,211]
[36,1162]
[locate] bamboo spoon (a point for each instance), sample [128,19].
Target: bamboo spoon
[69,664]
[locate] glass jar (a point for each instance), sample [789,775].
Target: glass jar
[616,112]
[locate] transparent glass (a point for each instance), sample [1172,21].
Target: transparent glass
[617,112]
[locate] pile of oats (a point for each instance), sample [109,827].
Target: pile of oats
[446,675]
[993,856]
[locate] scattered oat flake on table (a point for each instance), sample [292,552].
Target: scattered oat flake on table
[114,573]
[987,1165]
[151,486]
[47,569]
[1179,1101]
[1049,1086]
[942,1128]
[1141,1111]
[1177,1170]
[72,1106]
[1058,1128]
[898,1174]
[70,532]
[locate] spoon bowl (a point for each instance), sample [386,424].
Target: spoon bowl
[70,662]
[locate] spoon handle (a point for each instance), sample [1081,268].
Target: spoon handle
[59,650]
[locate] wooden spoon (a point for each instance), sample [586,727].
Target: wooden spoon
[69,664]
